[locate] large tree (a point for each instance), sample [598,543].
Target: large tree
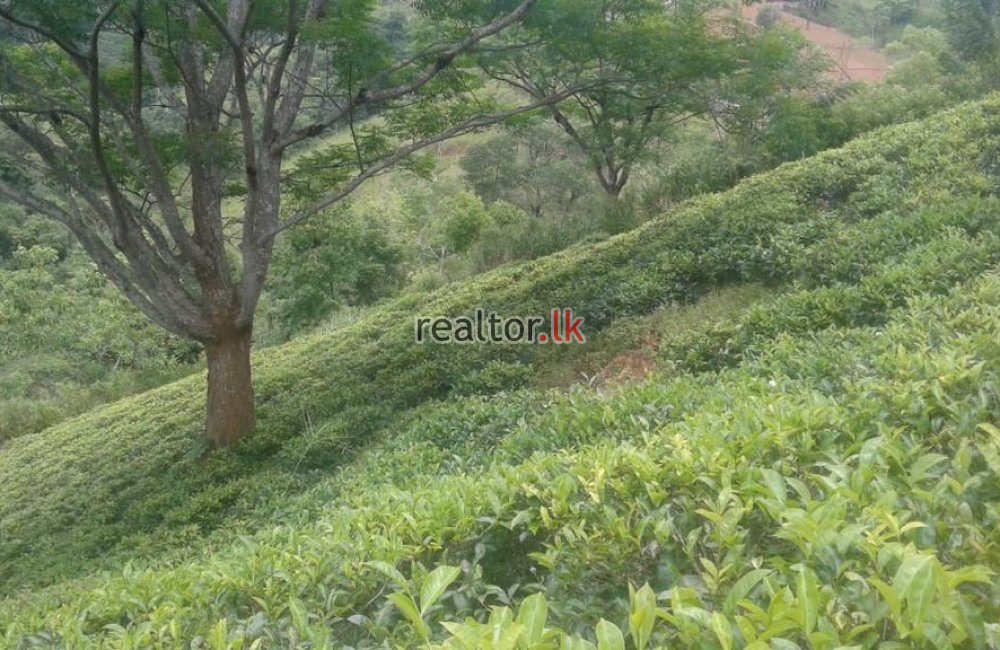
[157,132]
[973,27]
[651,55]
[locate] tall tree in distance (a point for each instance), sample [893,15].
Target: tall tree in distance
[973,28]
[651,56]
[812,8]
[156,132]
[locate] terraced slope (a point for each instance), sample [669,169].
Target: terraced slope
[855,232]
[834,489]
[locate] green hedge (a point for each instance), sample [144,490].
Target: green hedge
[842,490]
[129,479]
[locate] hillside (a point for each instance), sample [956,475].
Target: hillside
[820,469]
[853,61]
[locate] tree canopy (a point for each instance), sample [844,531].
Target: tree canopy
[648,60]
[157,133]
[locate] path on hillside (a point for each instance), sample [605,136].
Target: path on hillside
[855,62]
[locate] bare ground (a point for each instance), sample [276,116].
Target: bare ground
[854,61]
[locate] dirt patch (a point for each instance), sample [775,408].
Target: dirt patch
[633,365]
[854,61]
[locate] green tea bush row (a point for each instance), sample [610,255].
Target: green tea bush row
[776,512]
[130,479]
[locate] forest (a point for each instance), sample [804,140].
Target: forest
[222,220]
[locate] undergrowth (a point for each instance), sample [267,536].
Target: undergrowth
[838,241]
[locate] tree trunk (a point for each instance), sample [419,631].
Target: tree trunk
[612,180]
[230,411]
[613,189]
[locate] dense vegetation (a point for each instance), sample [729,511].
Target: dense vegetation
[506,194]
[68,340]
[818,470]
[782,431]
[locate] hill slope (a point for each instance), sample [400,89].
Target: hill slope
[857,232]
[841,488]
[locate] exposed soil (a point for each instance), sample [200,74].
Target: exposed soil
[854,61]
[633,365]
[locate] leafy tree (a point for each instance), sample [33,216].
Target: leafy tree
[974,30]
[780,68]
[512,234]
[69,341]
[19,230]
[393,28]
[533,167]
[879,15]
[157,132]
[47,305]
[922,57]
[652,55]
[334,260]
[813,8]
[464,220]
[768,16]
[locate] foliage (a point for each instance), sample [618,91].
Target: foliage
[760,124]
[636,67]
[159,134]
[879,15]
[334,260]
[879,21]
[18,230]
[781,72]
[768,16]
[534,168]
[836,488]
[972,26]
[814,465]
[464,219]
[69,342]
[926,76]
[129,481]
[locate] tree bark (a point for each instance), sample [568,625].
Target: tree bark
[162,238]
[230,407]
[613,187]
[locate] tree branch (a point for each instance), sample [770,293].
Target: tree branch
[47,112]
[7,14]
[219,24]
[400,154]
[273,90]
[442,61]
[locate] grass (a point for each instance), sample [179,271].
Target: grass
[372,448]
[663,326]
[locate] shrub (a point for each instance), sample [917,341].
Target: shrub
[851,503]
[768,16]
[78,494]
[338,259]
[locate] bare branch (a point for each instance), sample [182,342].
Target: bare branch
[219,24]
[403,152]
[442,61]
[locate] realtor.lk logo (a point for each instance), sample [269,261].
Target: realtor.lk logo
[485,327]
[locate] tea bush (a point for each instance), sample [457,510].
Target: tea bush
[129,481]
[840,489]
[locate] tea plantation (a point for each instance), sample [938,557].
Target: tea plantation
[819,470]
